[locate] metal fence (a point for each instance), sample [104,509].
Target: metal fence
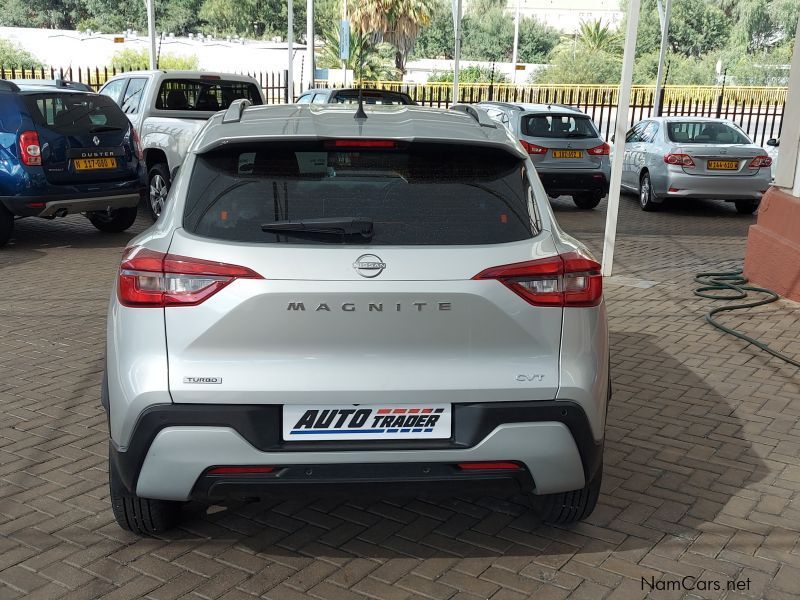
[757,110]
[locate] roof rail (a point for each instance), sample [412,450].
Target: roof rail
[503,104]
[478,114]
[235,110]
[8,86]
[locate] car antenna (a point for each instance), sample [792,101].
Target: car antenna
[360,114]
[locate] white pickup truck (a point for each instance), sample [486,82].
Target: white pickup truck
[167,109]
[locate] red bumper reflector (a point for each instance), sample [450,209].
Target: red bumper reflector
[244,470]
[489,466]
[674,190]
[35,204]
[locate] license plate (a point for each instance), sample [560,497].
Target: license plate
[723,165]
[366,422]
[567,154]
[92,164]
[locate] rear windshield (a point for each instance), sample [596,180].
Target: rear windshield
[204,95]
[705,132]
[414,194]
[558,126]
[71,113]
[351,97]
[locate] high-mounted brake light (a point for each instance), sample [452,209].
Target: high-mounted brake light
[567,280]
[29,149]
[533,148]
[150,279]
[137,144]
[760,161]
[683,160]
[601,150]
[361,144]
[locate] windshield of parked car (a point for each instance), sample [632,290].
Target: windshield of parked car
[71,113]
[204,94]
[558,126]
[351,97]
[705,132]
[414,193]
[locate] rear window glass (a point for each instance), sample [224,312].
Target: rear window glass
[75,113]
[558,126]
[414,194]
[705,132]
[204,95]
[372,98]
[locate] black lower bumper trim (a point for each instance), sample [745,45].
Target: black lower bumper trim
[557,184]
[260,425]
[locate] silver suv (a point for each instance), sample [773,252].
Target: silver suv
[566,148]
[338,302]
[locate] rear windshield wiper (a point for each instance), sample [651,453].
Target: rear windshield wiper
[100,128]
[322,226]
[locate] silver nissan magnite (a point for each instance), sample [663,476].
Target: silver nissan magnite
[355,304]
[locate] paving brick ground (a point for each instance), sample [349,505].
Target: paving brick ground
[702,476]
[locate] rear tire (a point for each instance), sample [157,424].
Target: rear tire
[646,198]
[141,516]
[746,207]
[158,187]
[116,221]
[569,507]
[6,225]
[586,201]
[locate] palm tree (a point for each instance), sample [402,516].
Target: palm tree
[594,36]
[373,67]
[397,22]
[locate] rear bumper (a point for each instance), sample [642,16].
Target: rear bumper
[713,187]
[46,204]
[173,446]
[557,183]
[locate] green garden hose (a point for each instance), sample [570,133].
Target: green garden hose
[733,286]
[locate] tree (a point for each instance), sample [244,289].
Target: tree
[14,56]
[437,40]
[568,66]
[374,66]
[397,22]
[53,14]
[594,36]
[473,74]
[488,35]
[536,40]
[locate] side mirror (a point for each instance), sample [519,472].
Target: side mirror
[773,142]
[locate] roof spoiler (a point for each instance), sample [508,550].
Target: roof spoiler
[8,86]
[476,113]
[235,110]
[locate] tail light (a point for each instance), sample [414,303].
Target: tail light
[683,160]
[760,161]
[533,148]
[29,150]
[137,144]
[567,280]
[361,144]
[149,279]
[601,150]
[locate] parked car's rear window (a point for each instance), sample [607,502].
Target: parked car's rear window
[415,194]
[71,113]
[369,97]
[705,132]
[558,126]
[204,94]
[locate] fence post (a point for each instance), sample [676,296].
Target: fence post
[286,86]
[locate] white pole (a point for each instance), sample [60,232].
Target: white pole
[516,44]
[623,105]
[661,56]
[151,30]
[310,43]
[457,50]
[290,46]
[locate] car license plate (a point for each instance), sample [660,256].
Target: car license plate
[723,165]
[92,164]
[567,154]
[366,422]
